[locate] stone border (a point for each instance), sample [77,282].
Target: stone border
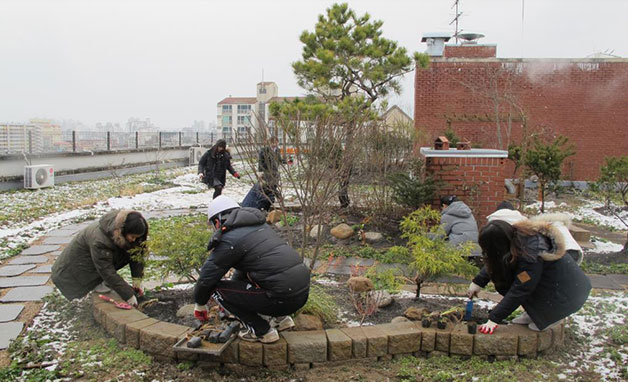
[306,349]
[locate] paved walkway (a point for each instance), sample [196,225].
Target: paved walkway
[25,278]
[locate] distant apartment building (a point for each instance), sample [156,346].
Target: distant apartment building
[51,136]
[17,138]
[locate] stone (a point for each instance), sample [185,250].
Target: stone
[159,338]
[40,249]
[132,330]
[251,353]
[63,232]
[498,343]
[306,347]
[276,354]
[358,341]
[115,322]
[35,293]
[274,216]
[43,269]
[57,240]
[8,332]
[185,311]
[339,345]
[14,270]
[342,231]
[545,340]
[443,338]
[373,237]
[403,337]
[28,260]
[301,366]
[557,335]
[10,312]
[604,282]
[55,253]
[376,341]
[527,339]
[314,231]
[399,319]
[461,342]
[428,342]
[101,310]
[383,298]
[10,282]
[360,284]
[415,314]
[308,322]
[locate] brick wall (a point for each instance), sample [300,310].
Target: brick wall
[477,181]
[584,100]
[469,51]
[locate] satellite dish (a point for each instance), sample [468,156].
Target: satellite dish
[470,37]
[41,176]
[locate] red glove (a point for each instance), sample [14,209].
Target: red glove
[200,313]
[489,327]
[236,175]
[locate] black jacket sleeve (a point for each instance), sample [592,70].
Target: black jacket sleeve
[228,163]
[482,278]
[261,160]
[202,163]
[222,258]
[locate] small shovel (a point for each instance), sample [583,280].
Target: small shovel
[119,305]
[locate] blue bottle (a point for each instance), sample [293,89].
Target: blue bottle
[468,311]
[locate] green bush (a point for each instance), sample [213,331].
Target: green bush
[180,244]
[320,304]
[614,178]
[389,279]
[413,189]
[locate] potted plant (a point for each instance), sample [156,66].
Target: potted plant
[426,322]
[472,327]
[442,323]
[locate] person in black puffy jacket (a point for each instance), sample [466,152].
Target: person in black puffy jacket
[270,277]
[213,166]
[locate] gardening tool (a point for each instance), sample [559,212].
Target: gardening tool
[119,305]
[229,330]
[469,310]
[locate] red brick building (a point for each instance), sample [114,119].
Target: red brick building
[486,99]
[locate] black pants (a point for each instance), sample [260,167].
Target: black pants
[246,301]
[217,191]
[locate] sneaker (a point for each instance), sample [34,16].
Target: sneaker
[282,323]
[532,326]
[268,338]
[523,319]
[102,288]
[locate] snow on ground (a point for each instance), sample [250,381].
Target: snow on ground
[585,212]
[604,246]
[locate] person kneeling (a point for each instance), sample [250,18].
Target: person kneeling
[270,277]
[526,261]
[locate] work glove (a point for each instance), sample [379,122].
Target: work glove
[489,327]
[200,176]
[137,287]
[132,301]
[473,290]
[235,174]
[200,313]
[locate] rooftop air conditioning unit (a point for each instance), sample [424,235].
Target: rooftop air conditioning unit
[195,154]
[38,176]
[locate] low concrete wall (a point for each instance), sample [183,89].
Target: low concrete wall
[305,349]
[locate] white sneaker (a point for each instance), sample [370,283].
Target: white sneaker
[102,288]
[282,323]
[268,338]
[532,326]
[523,319]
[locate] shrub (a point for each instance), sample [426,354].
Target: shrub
[413,189]
[614,178]
[320,304]
[389,279]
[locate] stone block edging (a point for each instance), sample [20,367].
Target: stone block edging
[305,349]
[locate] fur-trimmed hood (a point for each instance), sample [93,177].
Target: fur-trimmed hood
[112,224]
[545,228]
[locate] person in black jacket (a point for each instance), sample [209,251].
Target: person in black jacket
[270,277]
[213,166]
[264,192]
[526,261]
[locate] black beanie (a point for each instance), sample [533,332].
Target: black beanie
[505,205]
[448,199]
[221,143]
[135,224]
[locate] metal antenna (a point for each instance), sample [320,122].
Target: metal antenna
[456,18]
[523,5]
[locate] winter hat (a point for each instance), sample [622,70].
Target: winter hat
[505,205]
[221,143]
[448,199]
[135,224]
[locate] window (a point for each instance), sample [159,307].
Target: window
[226,109]
[244,109]
[244,120]
[227,120]
[262,90]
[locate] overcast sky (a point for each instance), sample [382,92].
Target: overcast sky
[172,61]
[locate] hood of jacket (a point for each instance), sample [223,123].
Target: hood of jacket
[240,217]
[553,218]
[458,209]
[112,223]
[552,232]
[509,216]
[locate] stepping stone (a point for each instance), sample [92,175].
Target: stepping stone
[620,279]
[43,269]
[14,270]
[9,331]
[40,249]
[57,240]
[604,282]
[56,253]
[10,312]
[62,232]
[19,281]
[29,260]
[35,293]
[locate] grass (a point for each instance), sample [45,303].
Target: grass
[589,267]
[384,255]
[321,304]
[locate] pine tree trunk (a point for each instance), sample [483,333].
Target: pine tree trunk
[418,288]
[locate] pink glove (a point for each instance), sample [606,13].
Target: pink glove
[236,175]
[200,313]
[489,327]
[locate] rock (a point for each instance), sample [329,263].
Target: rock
[315,229]
[274,216]
[383,298]
[415,314]
[360,284]
[399,319]
[373,237]
[342,231]
[186,311]
[308,322]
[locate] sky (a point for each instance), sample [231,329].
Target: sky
[173,61]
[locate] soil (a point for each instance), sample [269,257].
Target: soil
[171,300]
[620,257]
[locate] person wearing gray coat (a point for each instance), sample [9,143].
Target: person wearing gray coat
[457,220]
